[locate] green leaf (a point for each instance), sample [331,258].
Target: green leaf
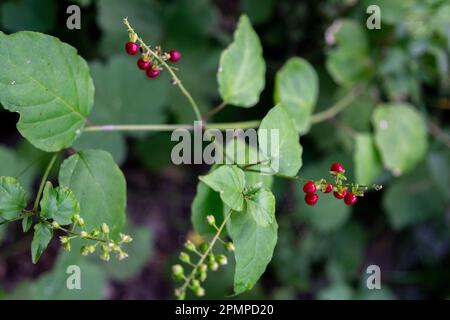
[27,222]
[401,136]
[59,204]
[43,233]
[12,198]
[411,199]
[229,181]
[285,154]
[254,234]
[99,186]
[296,89]
[206,202]
[45,81]
[242,68]
[349,62]
[366,158]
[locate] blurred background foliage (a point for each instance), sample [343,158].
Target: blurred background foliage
[323,252]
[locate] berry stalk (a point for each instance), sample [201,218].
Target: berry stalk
[177,81]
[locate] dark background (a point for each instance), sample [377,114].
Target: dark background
[322,253]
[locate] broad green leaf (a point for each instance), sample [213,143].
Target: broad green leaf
[285,153]
[349,62]
[12,198]
[144,16]
[99,186]
[411,199]
[366,158]
[140,251]
[48,84]
[438,163]
[261,206]
[43,233]
[59,204]
[27,223]
[401,136]
[34,15]
[124,96]
[229,181]
[254,234]
[206,202]
[241,74]
[296,90]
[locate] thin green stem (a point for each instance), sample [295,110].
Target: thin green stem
[169,68]
[43,181]
[339,106]
[149,127]
[22,216]
[88,237]
[215,110]
[191,276]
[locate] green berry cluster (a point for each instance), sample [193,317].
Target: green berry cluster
[98,237]
[207,261]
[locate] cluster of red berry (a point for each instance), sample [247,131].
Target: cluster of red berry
[340,191]
[145,63]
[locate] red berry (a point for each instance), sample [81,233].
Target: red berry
[328,189]
[311,198]
[337,167]
[350,199]
[153,73]
[309,187]
[132,48]
[174,55]
[340,195]
[144,64]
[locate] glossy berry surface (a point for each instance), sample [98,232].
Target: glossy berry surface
[350,199]
[143,64]
[174,55]
[337,167]
[309,187]
[153,73]
[328,189]
[311,199]
[131,48]
[340,195]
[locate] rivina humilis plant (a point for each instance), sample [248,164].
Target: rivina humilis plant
[49,85]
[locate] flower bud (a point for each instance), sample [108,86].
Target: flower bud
[125,238]
[214,266]
[229,246]
[105,256]
[105,228]
[180,294]
[189,245]
[195,284]
[122,255]
[55,225]
[204,247]
[84,250]
[199,292]
[203,267]
[91,248]
[211,220]
[177,272]
[184,257]
[83,234]
[222,260]
[67,246]
[95,233]
[63,239]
